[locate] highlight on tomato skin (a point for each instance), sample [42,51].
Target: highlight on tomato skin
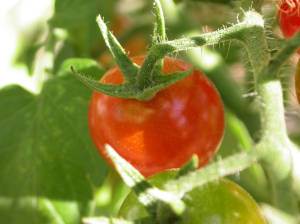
[184,119]
[289,17]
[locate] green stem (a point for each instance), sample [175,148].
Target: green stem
[214,171]
[256,46]
[288,48]
[159,29]
[274,143]
[277,160]
[239,31]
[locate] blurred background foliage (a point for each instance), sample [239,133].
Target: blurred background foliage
[49,170]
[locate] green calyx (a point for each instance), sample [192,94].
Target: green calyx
[141,82]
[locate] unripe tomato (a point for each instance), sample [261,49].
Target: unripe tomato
[289,17]
[219,202]
[184,119]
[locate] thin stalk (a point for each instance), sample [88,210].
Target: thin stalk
[214,171]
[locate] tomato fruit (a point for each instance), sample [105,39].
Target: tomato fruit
[184,119]
[289,17]
[218,202]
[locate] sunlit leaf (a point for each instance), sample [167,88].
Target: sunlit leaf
[49,168]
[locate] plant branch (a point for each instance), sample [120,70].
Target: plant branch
[159,29]
[274,143]
[251,23]
[288,49]
[213,171]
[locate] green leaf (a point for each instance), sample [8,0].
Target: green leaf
[67,50]
[83,65]
[78,18]
[49,168]
[73,13]
[28,45]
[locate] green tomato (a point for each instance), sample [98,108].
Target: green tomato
[218,202]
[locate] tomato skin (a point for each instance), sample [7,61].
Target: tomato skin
[221,202]
[289,18]
[184,119]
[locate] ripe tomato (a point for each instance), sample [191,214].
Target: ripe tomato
[184,119]
[222,202]
[289,17]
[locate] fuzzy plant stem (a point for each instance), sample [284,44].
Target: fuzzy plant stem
[274,143]
[274,146]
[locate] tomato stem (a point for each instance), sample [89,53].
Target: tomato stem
[281,57]
[274,143]
[213,171]
[159,32]
[144,82]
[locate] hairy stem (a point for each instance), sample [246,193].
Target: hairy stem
[275,145]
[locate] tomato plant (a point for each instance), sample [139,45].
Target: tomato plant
[184,119]
[221,201]
[154,119]
[289,17]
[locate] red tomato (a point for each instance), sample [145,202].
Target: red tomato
[184,119]
[289,17]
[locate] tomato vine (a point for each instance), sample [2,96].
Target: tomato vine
[274,150]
